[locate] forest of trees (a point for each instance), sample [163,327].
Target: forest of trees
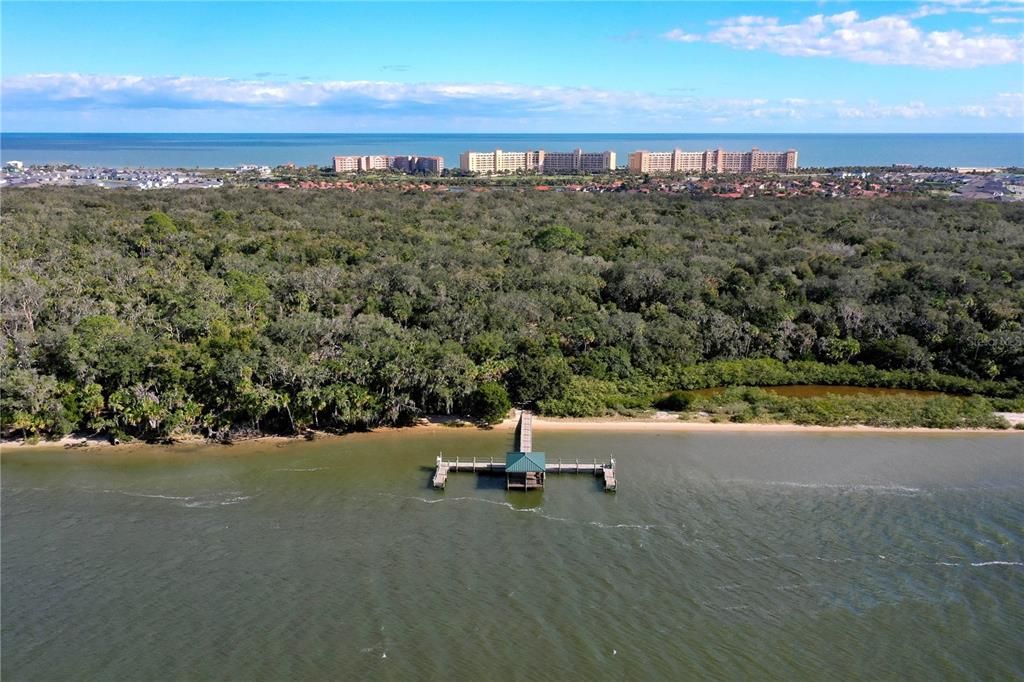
[149,314]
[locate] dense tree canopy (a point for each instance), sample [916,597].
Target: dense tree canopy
[157,312]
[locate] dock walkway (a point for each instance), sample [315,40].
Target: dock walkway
[524,443]
[489,466]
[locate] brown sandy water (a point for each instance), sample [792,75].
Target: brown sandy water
[726,555]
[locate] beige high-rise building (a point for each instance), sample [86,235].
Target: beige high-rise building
[347,164]
[404,163]
[537,161]
[577,161]
[712,161]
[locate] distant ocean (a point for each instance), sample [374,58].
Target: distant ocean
[191,150]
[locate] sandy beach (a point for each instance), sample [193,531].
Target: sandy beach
[661,422]
[650,425]
[669,422]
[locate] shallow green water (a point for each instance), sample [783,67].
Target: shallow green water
[737,556]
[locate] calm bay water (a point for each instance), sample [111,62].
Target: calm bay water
[743,556]
[225,150]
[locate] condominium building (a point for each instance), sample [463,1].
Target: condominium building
[499,161]
[405,164]
[347,164]
[417,164]
[537,161]
[711,161]
[576,161]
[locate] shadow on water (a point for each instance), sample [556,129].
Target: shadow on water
[490,481]
[519,499]
[428,473]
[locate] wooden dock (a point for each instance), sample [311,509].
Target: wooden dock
[441,474]
[524,444]
[525,432]
[491,466]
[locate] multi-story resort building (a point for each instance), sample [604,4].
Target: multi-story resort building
[404,164]
[711,161]
[537,161]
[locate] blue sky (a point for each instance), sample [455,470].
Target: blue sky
[943,66]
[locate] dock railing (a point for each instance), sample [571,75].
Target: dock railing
[606,470]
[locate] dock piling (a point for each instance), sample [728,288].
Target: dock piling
[531,480]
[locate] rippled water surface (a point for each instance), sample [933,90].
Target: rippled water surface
[743,556]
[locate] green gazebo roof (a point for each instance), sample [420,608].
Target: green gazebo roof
[523,462]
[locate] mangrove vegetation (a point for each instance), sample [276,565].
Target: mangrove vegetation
[153,314]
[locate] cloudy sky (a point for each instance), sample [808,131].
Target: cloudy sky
[943,66]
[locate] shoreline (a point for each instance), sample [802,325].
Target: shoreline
[660,423]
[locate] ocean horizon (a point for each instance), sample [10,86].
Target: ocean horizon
[221,150]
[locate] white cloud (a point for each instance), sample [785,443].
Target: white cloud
[681,36]
[87,90]
[1007,105]
[873,110]
[84,94]
[889,39]
[1004,105]
[974,111]
[940,7]
[83,91]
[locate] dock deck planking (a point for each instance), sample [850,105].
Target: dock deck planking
[524,438]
